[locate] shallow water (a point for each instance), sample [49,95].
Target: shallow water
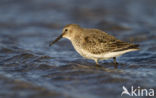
[30,68]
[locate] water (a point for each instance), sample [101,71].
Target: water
[30,68]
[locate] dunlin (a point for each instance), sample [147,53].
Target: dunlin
[95,44]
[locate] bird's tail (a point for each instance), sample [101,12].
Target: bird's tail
[134,46]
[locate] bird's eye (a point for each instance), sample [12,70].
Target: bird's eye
[66,30]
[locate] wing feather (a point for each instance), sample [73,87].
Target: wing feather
[98,42]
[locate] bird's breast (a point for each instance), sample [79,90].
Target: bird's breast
[79,49]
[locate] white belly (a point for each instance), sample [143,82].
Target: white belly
[102,56]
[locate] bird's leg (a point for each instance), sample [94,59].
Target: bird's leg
[97,64]
[115,62]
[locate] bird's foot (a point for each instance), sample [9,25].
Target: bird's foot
[97,65]
[115,62]
[116,65]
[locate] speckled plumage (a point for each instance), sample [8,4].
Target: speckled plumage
[96,44]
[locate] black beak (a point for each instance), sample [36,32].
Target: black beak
[58,38]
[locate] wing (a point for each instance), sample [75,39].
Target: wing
[101,42]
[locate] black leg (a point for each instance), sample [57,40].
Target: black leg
[115,62]
[97,63]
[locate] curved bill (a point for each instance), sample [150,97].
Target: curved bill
[57,39]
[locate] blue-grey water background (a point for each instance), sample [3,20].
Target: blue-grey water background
[29,68]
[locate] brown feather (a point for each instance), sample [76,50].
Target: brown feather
[97,42]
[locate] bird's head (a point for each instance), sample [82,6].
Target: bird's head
[68,32]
